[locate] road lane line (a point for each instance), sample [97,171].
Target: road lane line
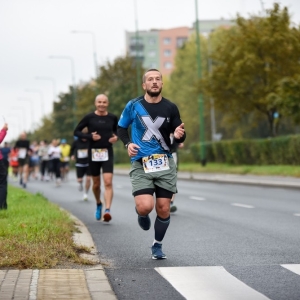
[197,198]
[297,215]
[209,283]
[242,205]
[293,267]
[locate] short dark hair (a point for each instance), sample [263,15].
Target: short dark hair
[144,76]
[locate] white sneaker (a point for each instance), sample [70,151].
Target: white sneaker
[85,197]
[58,182]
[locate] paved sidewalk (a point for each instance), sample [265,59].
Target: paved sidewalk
[89,283]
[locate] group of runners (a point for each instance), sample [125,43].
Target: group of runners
[38,161]
[146,127]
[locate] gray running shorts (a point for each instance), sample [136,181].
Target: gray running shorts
[166,179]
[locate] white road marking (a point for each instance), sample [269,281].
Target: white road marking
[209,283]
[297,215]
[294,268]
[242,205]
[197,198]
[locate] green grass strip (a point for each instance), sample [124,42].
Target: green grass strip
[34,233]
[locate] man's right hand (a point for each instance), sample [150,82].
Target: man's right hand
[96,136]
[132,149]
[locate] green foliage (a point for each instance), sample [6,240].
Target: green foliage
[249,62]
[273,151]
[288,97]
[118,81]
[181,88]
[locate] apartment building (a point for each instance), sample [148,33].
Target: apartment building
[156,48]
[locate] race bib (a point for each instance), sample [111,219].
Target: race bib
[155,163]
[66,158]
[99,155]
[22,152]
[82,153]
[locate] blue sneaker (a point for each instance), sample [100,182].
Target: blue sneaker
[98,212]
[144,221]
[157,252]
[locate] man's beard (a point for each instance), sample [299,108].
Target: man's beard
[154,94]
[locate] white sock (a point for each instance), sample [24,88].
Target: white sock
[155,241]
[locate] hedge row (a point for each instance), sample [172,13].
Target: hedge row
[273,151]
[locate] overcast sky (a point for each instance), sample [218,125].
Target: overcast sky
[33,30]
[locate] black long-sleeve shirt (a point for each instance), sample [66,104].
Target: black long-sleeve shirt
[105,126]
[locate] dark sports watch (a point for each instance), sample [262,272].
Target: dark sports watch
[126,146]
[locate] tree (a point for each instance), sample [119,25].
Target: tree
[249,62]
[181,87]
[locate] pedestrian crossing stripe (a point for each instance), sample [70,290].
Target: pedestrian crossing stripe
[212,283]
[293,268]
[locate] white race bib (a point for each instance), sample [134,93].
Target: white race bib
[66,158]
[82,153]
[155,163]
[99,155]
[22,152]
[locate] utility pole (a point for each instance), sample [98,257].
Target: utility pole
[200,97]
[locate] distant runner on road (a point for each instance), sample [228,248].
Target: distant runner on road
[102,134]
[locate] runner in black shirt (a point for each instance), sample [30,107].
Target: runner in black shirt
[79,153]
[153,171]
[23,146]
[102,134]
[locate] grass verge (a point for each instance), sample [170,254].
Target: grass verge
[35,233]
[280,170]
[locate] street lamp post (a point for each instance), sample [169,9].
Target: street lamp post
[212,102]
[41,98]
[73,81]
[48,79]
[138,71]
[31,110]
[262,5]
[23,115]
[17,118]
[200,97]
[94,46]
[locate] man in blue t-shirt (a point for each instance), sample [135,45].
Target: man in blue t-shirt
[153,170]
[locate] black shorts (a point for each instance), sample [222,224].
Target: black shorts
[106,166]
[81,171]
[23,161]
[64,164]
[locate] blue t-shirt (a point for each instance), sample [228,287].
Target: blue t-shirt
[5,152]
[151,125]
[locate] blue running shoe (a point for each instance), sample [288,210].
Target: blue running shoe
[98,212]
[157,252]
[144,221]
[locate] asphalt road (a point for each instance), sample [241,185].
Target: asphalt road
[225,241]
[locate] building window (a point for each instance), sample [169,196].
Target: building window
[180,41]
[153,65]
[167,41]
[167,53]
[168,65]
[134,41]
[151,53]
[152,41]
